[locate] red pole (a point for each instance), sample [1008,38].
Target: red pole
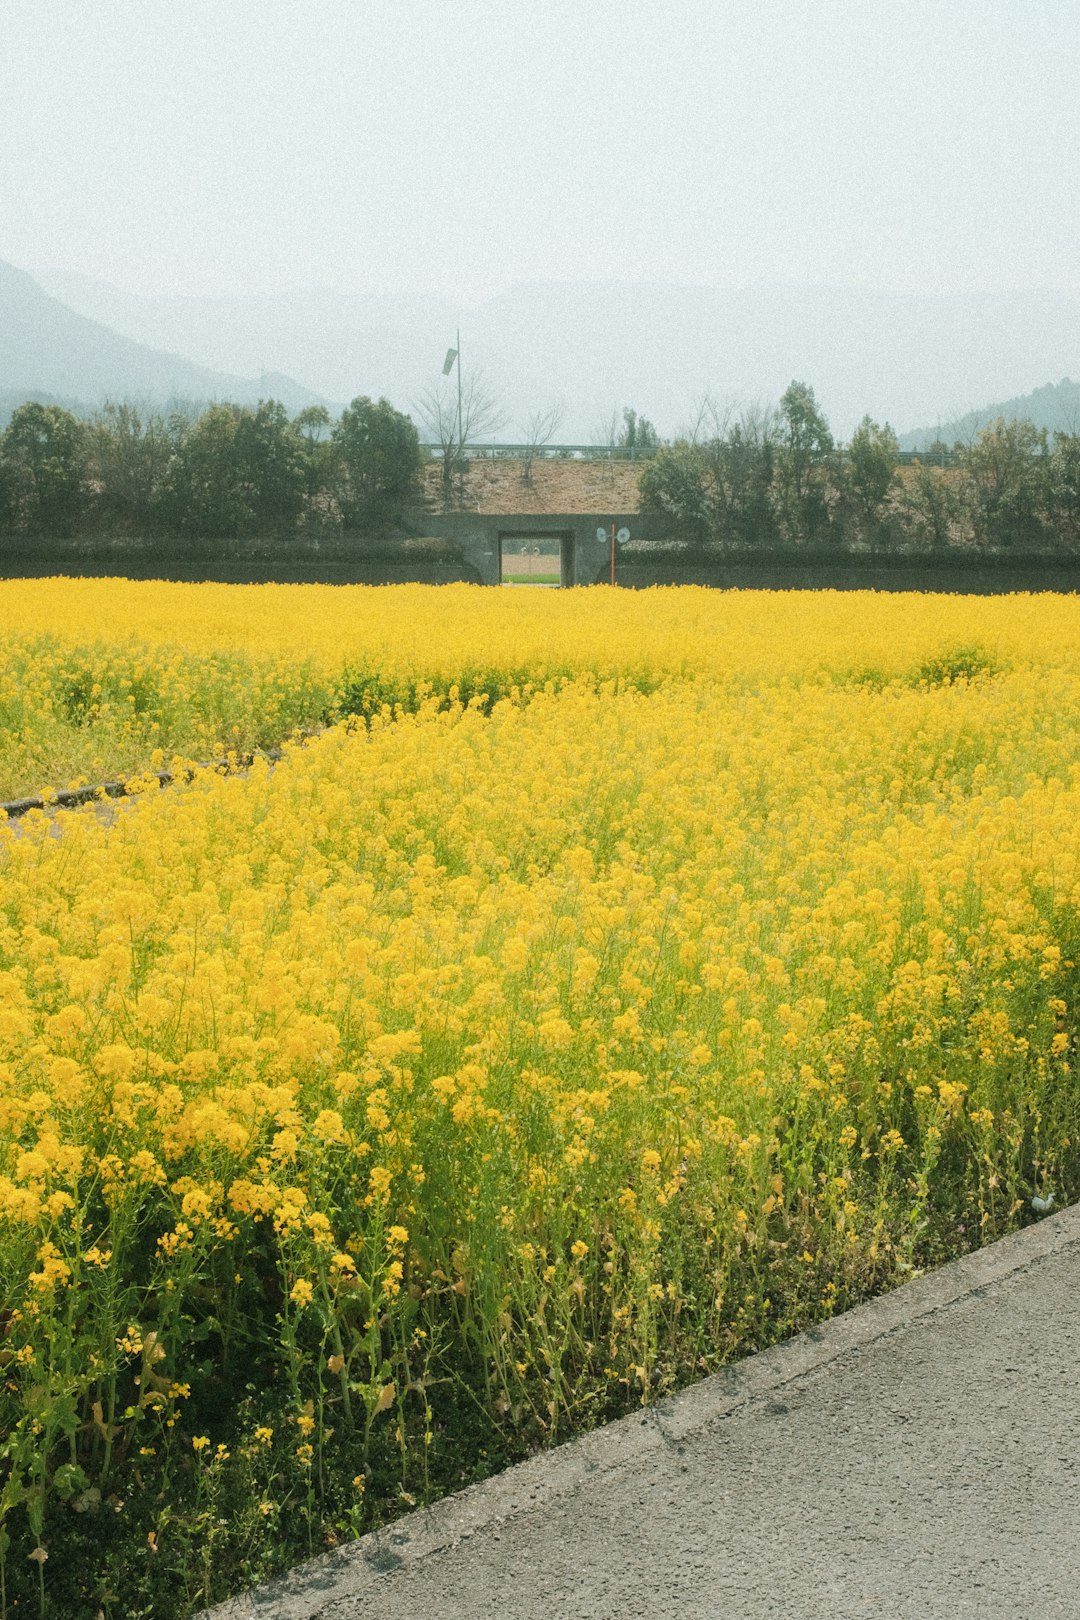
[613,553]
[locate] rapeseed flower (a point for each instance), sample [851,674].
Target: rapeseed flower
[696,980]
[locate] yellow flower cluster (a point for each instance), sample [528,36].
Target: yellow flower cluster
[710,975]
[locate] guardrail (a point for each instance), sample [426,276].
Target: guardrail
[928,458]
[548,452]
[601,452]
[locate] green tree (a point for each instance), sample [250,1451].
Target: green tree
[638,436]
[270,468]
[1063,493]
[203,495]
[8,506]
[673,490]
[314,427]
[378,451]
[716,486]
[742,464]
[237,472]
[803,458]
[43,452]
[128,456]
[1006,468]
[869,471]
[933,507]
[313,424]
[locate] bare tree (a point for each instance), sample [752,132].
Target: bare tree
[606,433]
[696,430]
[452,431]
[711,419]
[536,433]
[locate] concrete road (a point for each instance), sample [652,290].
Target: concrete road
[916,1457]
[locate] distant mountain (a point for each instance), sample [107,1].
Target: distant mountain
[596,345]
[1055,407]
[11,399]
[345,344]
[50,352]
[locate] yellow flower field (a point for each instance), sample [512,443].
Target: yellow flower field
[497,1062]
[97,675]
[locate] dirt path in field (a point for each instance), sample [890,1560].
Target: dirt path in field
[105,798]
[914,1459]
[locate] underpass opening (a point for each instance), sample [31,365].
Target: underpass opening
[536,557]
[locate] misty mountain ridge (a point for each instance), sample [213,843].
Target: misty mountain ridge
[1055,407]
[53,353]
[594,345]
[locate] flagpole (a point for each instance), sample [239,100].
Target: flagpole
[461,442]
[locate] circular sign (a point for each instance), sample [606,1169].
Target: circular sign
[601,535]
[623,536]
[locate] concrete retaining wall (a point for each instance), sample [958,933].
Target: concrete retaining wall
[974,576]
[585,554]
[468,546]
[232,562]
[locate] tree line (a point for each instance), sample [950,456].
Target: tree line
[758,479]
[229,471]
[778,479]
[237,471]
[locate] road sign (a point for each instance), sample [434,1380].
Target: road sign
[623,536]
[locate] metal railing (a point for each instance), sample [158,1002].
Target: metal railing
[496,451]
[548,452]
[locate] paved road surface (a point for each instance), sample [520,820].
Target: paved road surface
[917,1458]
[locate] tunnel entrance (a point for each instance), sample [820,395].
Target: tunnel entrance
[534,557]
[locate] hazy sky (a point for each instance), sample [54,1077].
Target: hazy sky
[459,146]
